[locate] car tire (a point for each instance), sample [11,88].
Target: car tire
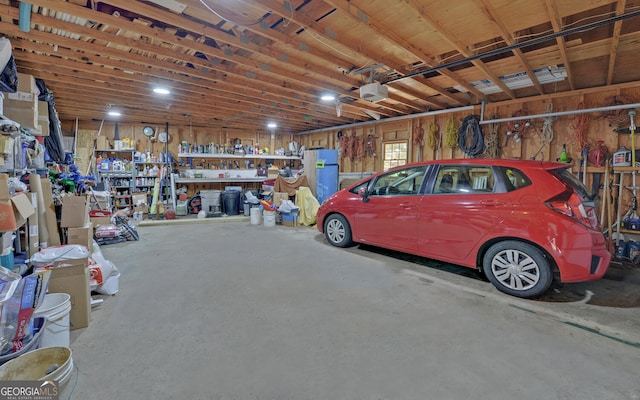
[337,231]
[518,269]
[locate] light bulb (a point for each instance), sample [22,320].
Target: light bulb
[516,125]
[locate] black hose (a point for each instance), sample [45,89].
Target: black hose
[470,138]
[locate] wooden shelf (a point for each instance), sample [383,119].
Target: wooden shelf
[625,169]
[214,180]
[247,156]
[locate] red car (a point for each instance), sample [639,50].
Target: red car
[522,223]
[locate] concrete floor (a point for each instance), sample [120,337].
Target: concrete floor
[229,310]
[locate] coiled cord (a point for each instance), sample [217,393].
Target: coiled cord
[470,137]
[451,134]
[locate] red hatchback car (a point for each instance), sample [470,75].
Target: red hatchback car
[523,223]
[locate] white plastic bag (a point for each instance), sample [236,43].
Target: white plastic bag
[104,274]
[55,253]
[287,206]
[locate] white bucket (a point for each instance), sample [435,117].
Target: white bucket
[34,365]
[269,218]
[55,310]
[256,215]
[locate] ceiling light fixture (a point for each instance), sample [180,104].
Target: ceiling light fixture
[327,97]
[519,80]
[272,125]
[161,90]
[114,113]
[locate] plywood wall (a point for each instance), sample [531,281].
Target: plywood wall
[535,142]
[371,137]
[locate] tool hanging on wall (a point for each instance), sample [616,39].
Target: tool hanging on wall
[492,139]
[518,128]
[546,136]
[418,140]
[632,129]
[434,139]
[470,137]
[451,135]
[580,126]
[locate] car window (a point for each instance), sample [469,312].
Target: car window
[569,179]
[514,179]
[464,179]
[359,190]
[402,182]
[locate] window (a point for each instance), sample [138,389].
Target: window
[405,181]
[395,154]
[515,179]
[464,179]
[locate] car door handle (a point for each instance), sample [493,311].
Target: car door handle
[492,203]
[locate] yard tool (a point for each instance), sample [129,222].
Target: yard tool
[632,128]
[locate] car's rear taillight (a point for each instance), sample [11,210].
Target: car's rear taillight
[570,204]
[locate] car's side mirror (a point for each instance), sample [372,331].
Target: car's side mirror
[364,193]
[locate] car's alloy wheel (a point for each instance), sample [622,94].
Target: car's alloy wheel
[337,231]
[518,269]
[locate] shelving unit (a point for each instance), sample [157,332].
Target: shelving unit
[248,178]
[143,182]
[243,156]
[120,182]
[620,172]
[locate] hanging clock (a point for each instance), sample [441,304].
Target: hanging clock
[148,131]
[163,137]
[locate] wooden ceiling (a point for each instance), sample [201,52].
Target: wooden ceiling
[238,64]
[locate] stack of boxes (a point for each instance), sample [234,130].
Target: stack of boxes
[75,219]
[24,108]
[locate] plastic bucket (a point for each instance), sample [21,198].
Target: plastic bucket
[256,216]
[55,310]
[269,218]
[35,364]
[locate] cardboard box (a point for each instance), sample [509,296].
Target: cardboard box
[27,83]
[140,199]
[72,277]
[82,236]
[50,213]
[102,143]
[23,112]
[21,96]
[144,209]
[22,208]
[279,197]
[99,217]
[75,212]
[15,210]
[7,220]
[43,118]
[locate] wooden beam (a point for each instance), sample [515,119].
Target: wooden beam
[556,22]
[615,40]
